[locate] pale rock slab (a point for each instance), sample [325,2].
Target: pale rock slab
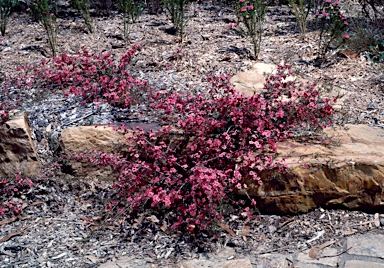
[238,263]
[362,264]
[303,258]
[17,151]
[344,169]
[274,261]
[252,81]
[368,245]
[129,262]
[224,258]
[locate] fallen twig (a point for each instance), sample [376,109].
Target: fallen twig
[9,236]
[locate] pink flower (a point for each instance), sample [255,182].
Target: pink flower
[196,11]
[51,15]
[280,113]
[336,3]
[249,7]
[345,36]
[28,9]
[328,1]
[241,1]
[325,14]
[346,22]
[317,14]
[243,9]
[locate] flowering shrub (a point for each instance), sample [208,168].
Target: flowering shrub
[9,189]
[3,113]
[332,25]
[6,9]
[251,14]
[44,9]
[82,7]
[211,145]
[131,10]
[94,77]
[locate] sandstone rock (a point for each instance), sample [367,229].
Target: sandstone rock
[77,140]
[252,81]
[17,152]
[128,262]
[344,170]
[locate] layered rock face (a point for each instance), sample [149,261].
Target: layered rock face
[17,152]
[343,169]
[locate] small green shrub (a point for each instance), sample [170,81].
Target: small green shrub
[131,11]
[301,10]
[332,26]
[367,36]
[82,7]
[6,9]
[376,53]
[45,11]
[251,14]
[176,10]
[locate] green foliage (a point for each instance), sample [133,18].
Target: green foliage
[301,10]
[6,9]
[176,10]
[332,27]
[251,14]
[131,11]
[376,53]
[45,10]
[82,7]
[368,36]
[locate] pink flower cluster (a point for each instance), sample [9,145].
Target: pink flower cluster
[95,77]
[246,8]
[3,113]
[10,188]
[331,11]
[211,145]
